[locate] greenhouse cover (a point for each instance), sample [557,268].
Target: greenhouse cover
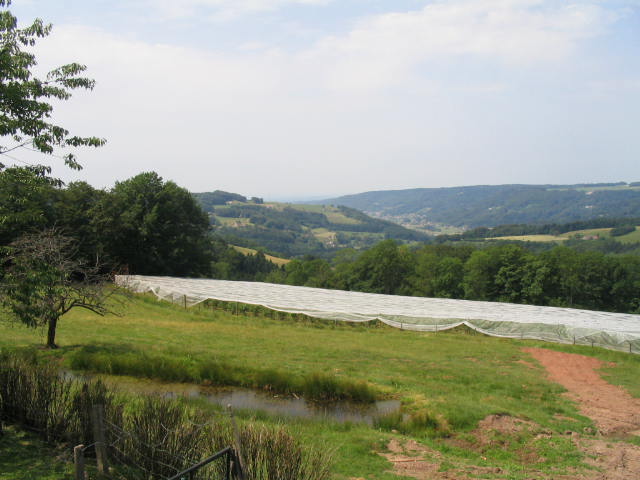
[565,325]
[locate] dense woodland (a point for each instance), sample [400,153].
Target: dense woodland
[145,225]
[505,272]
[493,205]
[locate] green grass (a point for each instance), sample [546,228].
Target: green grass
[633,237]
[447,382]
[25,456]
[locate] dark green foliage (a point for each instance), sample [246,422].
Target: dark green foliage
[622,230]
[503,272]
[143,224]
[208,200]
[230,264]
[155,227]
[489,206]
[27,198]
[26,111]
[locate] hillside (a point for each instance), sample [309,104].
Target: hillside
[489,206]
[296,230]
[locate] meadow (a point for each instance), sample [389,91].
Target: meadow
[632,237]
[447,382]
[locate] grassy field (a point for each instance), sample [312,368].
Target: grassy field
[633,237]
[447,382]
[333,214]
[250,251]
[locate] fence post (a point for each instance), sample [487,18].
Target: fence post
[239,463]
[97,420]
[185,302]
[78,460]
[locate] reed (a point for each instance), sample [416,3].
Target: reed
[151,437]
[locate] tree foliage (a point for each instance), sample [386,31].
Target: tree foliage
[25,99]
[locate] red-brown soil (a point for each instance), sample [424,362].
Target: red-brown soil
[610,407]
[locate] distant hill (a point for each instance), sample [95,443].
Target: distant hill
[489,206]
[295,230]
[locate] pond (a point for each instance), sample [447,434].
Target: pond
[247,399]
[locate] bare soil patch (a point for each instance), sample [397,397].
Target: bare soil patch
[611,408]
[411,459]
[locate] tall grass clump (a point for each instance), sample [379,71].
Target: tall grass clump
[148,437]
[322,387]
[318,387]
[416,423]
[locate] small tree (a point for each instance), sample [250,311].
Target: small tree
[43,280]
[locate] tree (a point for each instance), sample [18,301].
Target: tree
[43,280]
[382,269]
[25,108]
[26,202]
[155,228]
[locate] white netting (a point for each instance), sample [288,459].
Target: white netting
[566,325]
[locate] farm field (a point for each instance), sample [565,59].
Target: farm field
[632,237]
[250,251]
[449,384]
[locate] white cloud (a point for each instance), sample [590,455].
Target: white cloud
[261,121]
[223,9]
[384,48]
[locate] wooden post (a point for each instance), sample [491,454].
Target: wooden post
[78,460]
[185,302]
[239,467]
[97,420]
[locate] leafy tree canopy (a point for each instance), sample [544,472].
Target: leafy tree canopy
[25,108]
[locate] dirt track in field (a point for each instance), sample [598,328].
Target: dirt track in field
[611,408]
[614,412]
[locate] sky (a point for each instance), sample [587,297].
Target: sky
[298,99]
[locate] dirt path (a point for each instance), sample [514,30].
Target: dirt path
[610,407]
[613,410]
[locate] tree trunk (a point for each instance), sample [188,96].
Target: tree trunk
[51,333]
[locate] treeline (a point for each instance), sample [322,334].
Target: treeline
[560,276]
[620,225]
[492,205]
[143,225]
[147,226]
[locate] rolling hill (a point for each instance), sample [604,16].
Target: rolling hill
[489,206]
[295,230]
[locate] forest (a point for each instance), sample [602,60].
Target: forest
[493,205]
[148,226]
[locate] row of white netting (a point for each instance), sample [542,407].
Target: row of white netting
[565,325]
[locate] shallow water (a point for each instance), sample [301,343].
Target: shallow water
[246,399]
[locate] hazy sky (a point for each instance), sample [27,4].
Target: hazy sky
[302,98]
